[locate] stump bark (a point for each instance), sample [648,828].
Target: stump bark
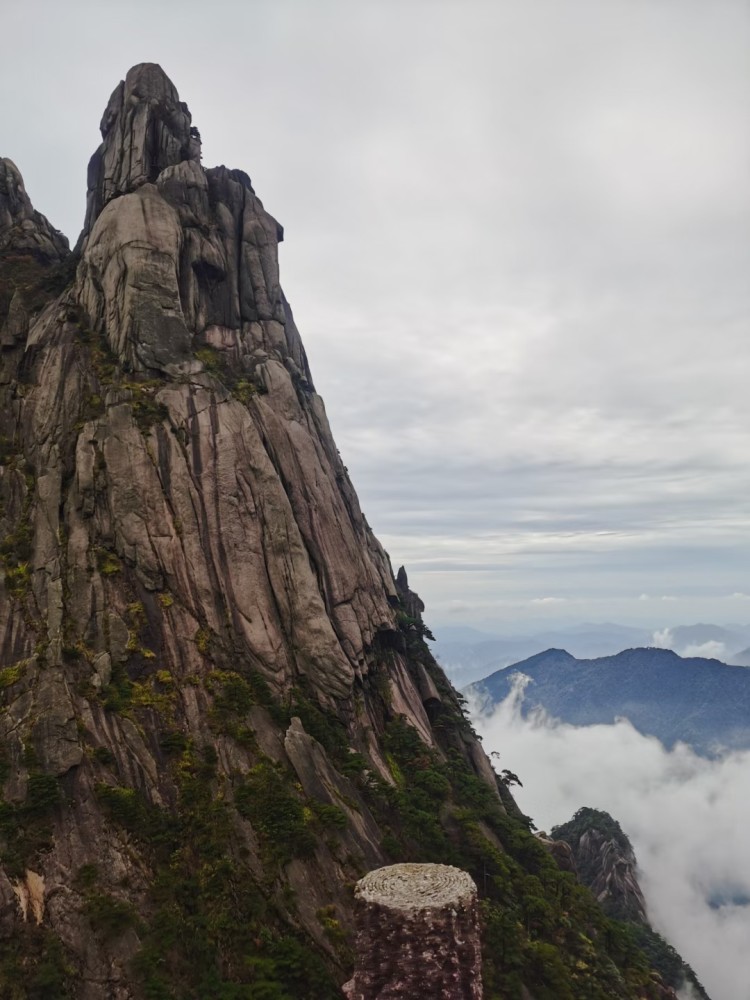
[417,935]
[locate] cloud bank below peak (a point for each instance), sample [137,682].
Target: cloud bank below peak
[685,815]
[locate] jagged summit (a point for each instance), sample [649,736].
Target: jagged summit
[145,128]
[604,859]
[22,229]
[198,246]
[178,282]
[217,708]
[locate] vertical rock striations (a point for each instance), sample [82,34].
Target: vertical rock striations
[217,707]
[604,859]
[23,231]
[145,128]
[201,394]
[185,563]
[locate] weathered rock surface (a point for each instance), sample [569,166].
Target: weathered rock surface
[417,935]
[178,532]
[561,851]
[217,708]
[235,502]
[594,846]
[22,229]
[145,128]
[616,877]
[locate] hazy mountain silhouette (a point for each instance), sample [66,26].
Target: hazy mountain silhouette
[701,702]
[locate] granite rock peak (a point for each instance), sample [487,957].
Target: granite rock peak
[218,710]
[186,568]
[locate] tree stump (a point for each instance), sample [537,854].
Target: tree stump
[417,935]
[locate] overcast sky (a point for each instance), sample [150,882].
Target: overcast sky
[517,250]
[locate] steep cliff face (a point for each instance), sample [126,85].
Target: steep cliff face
[201,465]
[218,710]
[604,860]
[23,231]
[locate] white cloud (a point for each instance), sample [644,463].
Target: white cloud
[686,816]
[688,993]
[663,639]
[712,650]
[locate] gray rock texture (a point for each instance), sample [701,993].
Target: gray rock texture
[184,558]
[217,707]
[594,847]
[417,935]
[145,128]
[561,851]
[233,498]
[22,229]
[612,873]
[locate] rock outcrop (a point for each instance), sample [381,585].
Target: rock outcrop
[217,707]
[615,879]
[178,532]
[22,229]
[145,129]
[603,859]
[243,511]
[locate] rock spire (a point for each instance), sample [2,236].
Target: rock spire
[22,229]
[176,523]
[145,129]
[217,707]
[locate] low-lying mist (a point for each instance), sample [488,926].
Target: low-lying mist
[687,817]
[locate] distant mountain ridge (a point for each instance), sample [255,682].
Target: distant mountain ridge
[466,657]
[467,654]
[698,701]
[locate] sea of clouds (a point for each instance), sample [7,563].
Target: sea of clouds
[687,817]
